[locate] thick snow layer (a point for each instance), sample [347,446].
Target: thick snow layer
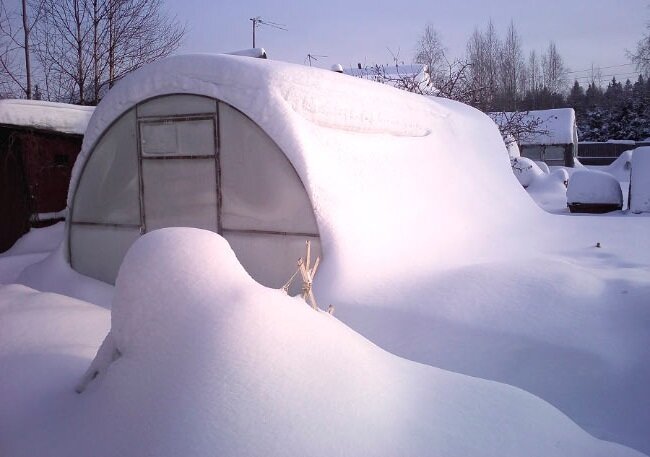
[31,248]
[60,117]
[640,181]
[362,150]
[46,342]
[37,260]
[212,363]
[591,186]
[558,126]
[433,249]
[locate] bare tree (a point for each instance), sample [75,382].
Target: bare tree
[63,45]
[512,68]
[554,73]
[85,46]
[15,47]
[138,33]
[431,52]
[641,56]
[483,56]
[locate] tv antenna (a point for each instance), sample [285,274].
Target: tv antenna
[258,21]
[311,57]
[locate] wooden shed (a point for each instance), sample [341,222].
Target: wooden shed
[556,139]
[39,143]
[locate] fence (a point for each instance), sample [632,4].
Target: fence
[604,153]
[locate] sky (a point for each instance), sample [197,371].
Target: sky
[586,32]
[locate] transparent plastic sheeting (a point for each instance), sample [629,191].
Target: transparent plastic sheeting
[108,190]
[98,251]
[180,193]
[177,138]
[260,189]
[272,259]
[176,184]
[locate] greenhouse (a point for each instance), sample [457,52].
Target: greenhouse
[192,161]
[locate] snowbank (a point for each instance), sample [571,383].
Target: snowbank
[212,363]
[640,181]
[60,117]
[549,190]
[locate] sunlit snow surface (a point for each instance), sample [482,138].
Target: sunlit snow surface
[208,362]
[433,251]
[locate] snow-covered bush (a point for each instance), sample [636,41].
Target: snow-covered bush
[592,191]
[640,181]
[543,166]
[526,170]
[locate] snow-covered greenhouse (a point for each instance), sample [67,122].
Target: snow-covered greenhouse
[270,155]
[179,159]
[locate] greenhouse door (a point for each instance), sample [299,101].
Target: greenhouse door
[179,172]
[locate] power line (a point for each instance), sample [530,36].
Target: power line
[608,76]
[600,68]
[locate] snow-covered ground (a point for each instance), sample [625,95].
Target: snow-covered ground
[442,271]
[212,363]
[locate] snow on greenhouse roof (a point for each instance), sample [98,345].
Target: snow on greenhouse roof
[558,125]
[367,154]
[59,117]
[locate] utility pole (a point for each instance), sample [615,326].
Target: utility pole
[257,21]
[254,20]
[28,71]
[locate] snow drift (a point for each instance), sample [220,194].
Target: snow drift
[205,361]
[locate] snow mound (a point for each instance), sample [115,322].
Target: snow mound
[640,181]
[620,168]
[526,170]
[549,190]
[60,117]
[594,187]
[202,359]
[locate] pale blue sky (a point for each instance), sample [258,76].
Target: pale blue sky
[586,32]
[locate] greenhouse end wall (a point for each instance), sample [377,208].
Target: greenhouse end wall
[192,161]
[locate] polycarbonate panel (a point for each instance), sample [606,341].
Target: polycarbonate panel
[98,251]
[174,137]
[108,186]
[260,189]
[271,259]
[174,105]
[179,193]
